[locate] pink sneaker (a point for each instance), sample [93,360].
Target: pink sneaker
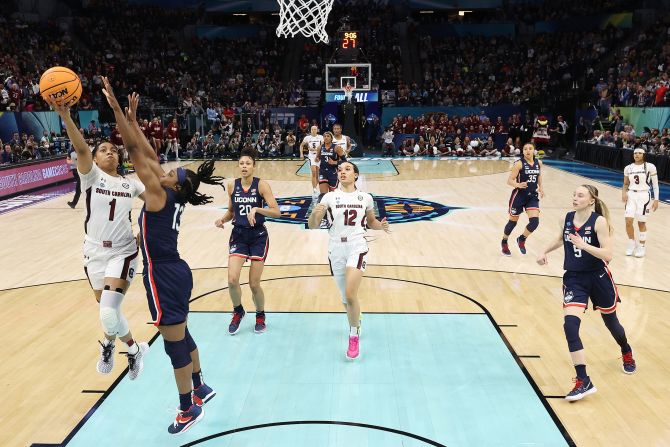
[353,351]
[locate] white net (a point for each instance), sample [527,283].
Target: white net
[307,17]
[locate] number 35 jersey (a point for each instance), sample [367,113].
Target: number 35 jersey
[346,212]
[109,201]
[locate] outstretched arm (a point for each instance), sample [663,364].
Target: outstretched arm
[154,194]
[84,156]
[142,142]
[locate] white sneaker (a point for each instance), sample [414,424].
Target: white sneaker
[136,362]
[630,248]
[106,361]
[640,251]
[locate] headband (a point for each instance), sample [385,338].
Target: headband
[638,150]
[181,175]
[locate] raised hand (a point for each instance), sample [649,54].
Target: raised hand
[133,104]
[62,109]
[109,94]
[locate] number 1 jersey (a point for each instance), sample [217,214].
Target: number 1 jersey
[346,212]
[109,201]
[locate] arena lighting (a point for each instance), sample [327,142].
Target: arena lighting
[426,12]
[239,14]
[462,13]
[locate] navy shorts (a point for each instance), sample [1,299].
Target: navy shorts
[597,284]
[520,201]
[328,175]
[168,285]
[249,243]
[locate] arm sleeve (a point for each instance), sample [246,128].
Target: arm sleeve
[87,180]
[654,181]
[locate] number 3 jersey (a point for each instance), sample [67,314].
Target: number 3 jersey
[639,176]
[109,201]
[346,212]
[577,260]
[246,199]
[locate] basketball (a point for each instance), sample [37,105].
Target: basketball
[60,84]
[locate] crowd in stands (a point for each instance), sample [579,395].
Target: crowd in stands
[640,73]
[621,135]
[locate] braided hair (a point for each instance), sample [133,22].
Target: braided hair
[188,192]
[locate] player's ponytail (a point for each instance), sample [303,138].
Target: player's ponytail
[188,191]
[600,206]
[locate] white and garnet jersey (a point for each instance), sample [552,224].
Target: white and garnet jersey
[109,201]
[639,176]
[313,142]
[341,142]
[346,212]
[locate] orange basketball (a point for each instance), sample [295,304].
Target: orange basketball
[61,85]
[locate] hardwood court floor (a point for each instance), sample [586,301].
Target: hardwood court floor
[49,330]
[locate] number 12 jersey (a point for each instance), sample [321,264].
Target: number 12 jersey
[346,212]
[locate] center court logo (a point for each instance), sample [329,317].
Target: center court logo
[296,210]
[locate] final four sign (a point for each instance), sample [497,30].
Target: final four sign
[296,210]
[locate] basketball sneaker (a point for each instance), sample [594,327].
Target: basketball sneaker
[354,347]
[203,394]
[71,205]
[235,322]
[186,419]
[522,245]
[505,249]
[630,248]
[640,251]
[106,360]
[136,361]
[582,388]
[629,366]
[260,324]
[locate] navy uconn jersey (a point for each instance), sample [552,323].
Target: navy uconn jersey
[329,153]
[577,260]
[244,201]
[159,230]
[529,173]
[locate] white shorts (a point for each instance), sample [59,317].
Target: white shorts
[347,254]
[101,262]
[638,205]
[312,159]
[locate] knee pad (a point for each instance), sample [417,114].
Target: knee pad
[533,223]
[109,319]
[510,226]
[571,328]
[113,322]
[341,281]
[190,342]
[178,352]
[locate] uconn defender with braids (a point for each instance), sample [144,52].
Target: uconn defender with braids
[249,239]
[167,278]
[585,236]
[526,179]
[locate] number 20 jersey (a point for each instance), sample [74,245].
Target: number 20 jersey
[109,201]
[246,199]
[346,212]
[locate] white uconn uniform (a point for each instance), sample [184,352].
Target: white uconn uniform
[313,143]
[110,249]
[346,212]
[639,190]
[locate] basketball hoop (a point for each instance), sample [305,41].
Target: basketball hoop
[307,17]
